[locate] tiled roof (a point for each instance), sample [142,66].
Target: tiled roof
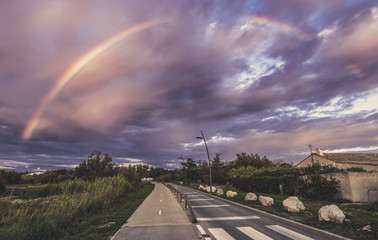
[352,158]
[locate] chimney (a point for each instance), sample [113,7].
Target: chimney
[319,151]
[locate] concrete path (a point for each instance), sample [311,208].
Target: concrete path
[159,217]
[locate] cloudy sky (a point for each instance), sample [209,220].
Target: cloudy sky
[139,79]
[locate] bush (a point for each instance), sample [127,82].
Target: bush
[229,187]
[318,187]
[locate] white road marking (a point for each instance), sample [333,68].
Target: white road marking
[227,218]
[205,206]
[288,233]
[200,229]
[254,234]
[201,199]
[220,234]
[159,212]
[161,200]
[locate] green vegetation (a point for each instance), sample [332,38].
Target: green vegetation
[90,202]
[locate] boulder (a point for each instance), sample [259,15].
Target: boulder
[331,213]
[201,187]
[266,201]
[292,204]
[367,228]
[231,194]
[212,188]
[250,197]
[220,192]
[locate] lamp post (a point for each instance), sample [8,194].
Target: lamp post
[182,158]
[208,157]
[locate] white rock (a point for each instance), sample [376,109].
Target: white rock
[201,187]
[250,197]
[231,194]
[220,192]
[292,204]
[367,228]
[213,189]
[266,201]
[331,213]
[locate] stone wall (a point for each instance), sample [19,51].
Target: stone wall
[354,185]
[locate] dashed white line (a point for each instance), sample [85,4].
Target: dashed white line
[227,218]
[159,212]
[211,206]
[161,200]
[200,229]
[288,233]
[254,234]
[220,234]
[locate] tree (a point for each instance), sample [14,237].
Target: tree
[217,163]
[98,165]
[255,161]
[190,164]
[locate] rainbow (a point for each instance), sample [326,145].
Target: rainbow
[280,26]
[76,67]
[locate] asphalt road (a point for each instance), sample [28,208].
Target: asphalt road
[159,217]
[218,219]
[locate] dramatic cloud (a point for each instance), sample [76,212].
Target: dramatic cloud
[267,77]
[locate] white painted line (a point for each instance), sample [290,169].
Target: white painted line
[205,206]
[159,212]
[227,218]
[200,229]
[201,199]
[161,200]
[254,234]
[288,233]
[220,234]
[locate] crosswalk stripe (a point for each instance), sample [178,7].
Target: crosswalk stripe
[254,234]
[205,206]
[200,229]
[220,234]
[227,218]
[288,233]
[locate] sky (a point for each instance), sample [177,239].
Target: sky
[140,79]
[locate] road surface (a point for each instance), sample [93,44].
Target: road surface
[159,217]
[222,220]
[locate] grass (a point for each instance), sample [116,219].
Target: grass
[89,227]
[75,213]
[358,215]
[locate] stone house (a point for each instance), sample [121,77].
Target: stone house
[354,186]
[367,161]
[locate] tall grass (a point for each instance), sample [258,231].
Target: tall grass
[47,219]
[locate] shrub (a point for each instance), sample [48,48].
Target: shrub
[229,187]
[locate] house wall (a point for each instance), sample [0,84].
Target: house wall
[354,185]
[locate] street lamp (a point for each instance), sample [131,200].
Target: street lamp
[208,157]
[182,158]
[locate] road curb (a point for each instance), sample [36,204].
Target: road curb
[287,221]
